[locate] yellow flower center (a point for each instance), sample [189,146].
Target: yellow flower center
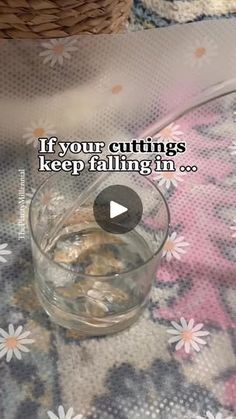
[168,175]
[169,246]
[200,52]
[39,132]
[116,89]
[11,342]
[58,49]
[187,335]
[166,132]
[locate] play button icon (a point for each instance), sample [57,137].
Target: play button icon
[117,209]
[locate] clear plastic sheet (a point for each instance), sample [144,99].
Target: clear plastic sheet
[108,88]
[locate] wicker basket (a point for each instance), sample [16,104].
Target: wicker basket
[60,18]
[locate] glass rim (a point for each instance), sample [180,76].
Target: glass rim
[160,247]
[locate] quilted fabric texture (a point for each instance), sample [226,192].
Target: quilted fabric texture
[159,13]
[178,360]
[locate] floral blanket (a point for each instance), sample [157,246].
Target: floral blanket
[148,14]
[178,360]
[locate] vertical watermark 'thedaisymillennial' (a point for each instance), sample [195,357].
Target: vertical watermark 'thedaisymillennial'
[21,205]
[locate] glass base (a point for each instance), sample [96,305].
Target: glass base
[90,326]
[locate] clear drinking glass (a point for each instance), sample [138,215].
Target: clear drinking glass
[88,279]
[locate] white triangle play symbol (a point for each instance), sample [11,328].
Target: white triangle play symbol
[116,209]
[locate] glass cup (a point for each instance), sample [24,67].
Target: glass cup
[86,278]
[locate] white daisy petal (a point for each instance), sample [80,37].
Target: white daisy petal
[168,184]
[176,255]
[3,333]
[178,239]
[71,49]
[52,415]
[11,330]
[190,324]
[24,335]
[202,333]
[61,412]
[187,347]
[46,45]
[199,340]
[50,132]
[26,341]
[178,133]
[195,346]
[18,331]
[173,331]
[5,252]
[17,353]
[22,348]
[45,53]
[60,59]
[162,182]
[168,256]
[3,352]
[9,355]
[73,41]
[70,413]
[176,325]
[2,259]
[183,244]
[66,55]
[179,345]
[180,250]
[184,323]
[3,245]
[47,59]
[173,236]
[53,61]
[174,339]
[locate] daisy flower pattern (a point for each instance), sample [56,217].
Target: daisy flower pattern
[63,415]
[201,52]
[3,252]
[187,335]
[209,415]
[57,50]
[13,342]
[118,90]
[36,130]
[174,247]
[168,178]
[233,148]
[234,229]
[169,133]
